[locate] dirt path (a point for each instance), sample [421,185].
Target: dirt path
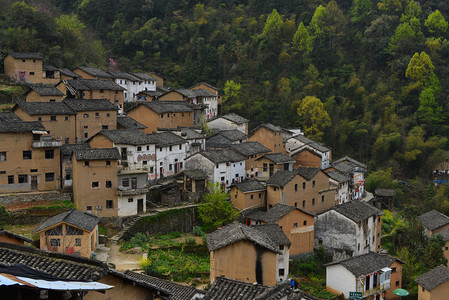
[123,261]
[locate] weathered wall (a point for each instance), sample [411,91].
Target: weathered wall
[270,139]
[395,280]
[301,235]
[88,123]
[32,69]
[306,158]
[32,96]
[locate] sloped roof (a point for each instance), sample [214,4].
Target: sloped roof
[232,135]
[445,234]
[434,278]
[73,217]
[94,71]
[49,68]
[342,167]
[236,232]
[175,290]
[357,210]
[268,126]
[90,104]
[337,176]
[188,93]
[21,126]
[161,107]
[67,149]
[129,123]
[97,154]
[354,163]
[45,90]
[274,232]
[8,116]
[195,174]
[277,158]
[15,236]
[278,211]
[122,75]
[143,76]
[366,263]
[126,137]
[385,192]
[307,173]
[151,93]
[302,139]
[281,178]
[250,148]
[68,72]
[93,84]
[235,118]
[226,289]
[44,108]
[250,186]
[433,219]
[166,138]
[222,155]
[190,134]
[26,55]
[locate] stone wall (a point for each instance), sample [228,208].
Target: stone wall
[34,197]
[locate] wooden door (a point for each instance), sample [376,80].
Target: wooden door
[34,182]
[139,206]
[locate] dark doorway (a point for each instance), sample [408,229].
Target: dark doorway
[33,182]
[139,206]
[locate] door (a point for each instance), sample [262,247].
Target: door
[134,183]
[139,206]
[33,182]
[161,172]
[271,169]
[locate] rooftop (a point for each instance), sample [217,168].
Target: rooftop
[126,137]
[143,76]
[73,217]
[235,118]
[307,173]
[277,212]
[15,236]
[222,156]
[193,93]
[9,116]
[385,192]
[277,158]
[281,178]
[26,55]
[366,263]
[129,123]
[96,72]
[232,135]
[434,278]
[357,210]
[274,232]
[67,149]
[90,104]
[250,186]
[97,154]
[67,72]
[433,219]
[44,108]
[161,107]
[226,289]
[166,138]
[337,176]
[21,126]
[93,84]
[250,148]
[195,174]
[190,134]
[45,90]
[352,162]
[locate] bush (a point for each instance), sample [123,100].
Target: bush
[190,241]
[197,231]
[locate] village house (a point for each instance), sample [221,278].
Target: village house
[349,229]
[306,188]
[249,254]
[29,158]
[195,140]
[270,136]
[92,73]
[434,285]
[270,163]
[170,153]
[92,116]
[129,82]
[213,90]
[384,198]
[147,83]
[339,183]
[248,194]
[126,122]
[229,122]
[71,232]
[66,152]
[252,151]
[194,98]
[159,114]
[308,153]
[148,96]
[13,238]
[194,185]
[58,119]
[43,93]
[297,225]
[159,79]
[25,67]
[67,74]
[95,181]
[223,166]
[201,97]
[50,75]
[372,274]
[434,222]
[225,138]
[445,235]
[93,89]
[353,169]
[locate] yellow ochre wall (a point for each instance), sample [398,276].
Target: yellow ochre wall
[13,66]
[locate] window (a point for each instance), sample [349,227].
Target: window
[109,204]
[130,200]
[265,167]
[27,154]
[108,115]
[446,248]
[108,184]
[303,185]
[2,172]
[86,135]
[252,197]
[10,179]
[32,73]
[296,187]
[67,140]
[125,182]
[86,163]
[170,148]
[260,195]
[97,114]
[296,204]
[70,230]
[77,242]
[168,115]
[101,91]
[281,247]
[95,184]
[180,148]
[274,189]
[108,163]
[2,156]
[358,247]
[139,148]
[39,118]
[52,118]
[304,223]
[85,126]
[23,178]
[313,183]
[49,154]
[281,272]
[393,270]
[104,127]
[49,177]
[313,201]
[162,116]
[170,167]
[216,166]
[86,116]
[322,198]
[89,208]
[303,203]
[55,242]
[397,283]
[295,225]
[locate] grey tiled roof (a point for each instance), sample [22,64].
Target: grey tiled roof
[126,137]
[235,118]
[175,290]
[21,126]
[205,83]
[67,149]
[192,93]
[122,75]
[26,55]
[302,139]
[60,265]
[222,156]
[45,90]
[166,138]
[45,108]
[357,210]
[94,84]
[236,232]
[307,173]
[190,134]
[305,148]
[268,126]
[277,212]
[8,116]
[250,148]
[129,123]
[73,217]
[195,174]
[68,72]
[342,167]
[15,236]
[96,72]
[278,158]
[337,176]
[352,162]
[250,186]
[445,234]
[434,278]
[152,93]
[366,263]
[230,289]
[161,107]
[433,219]
[97,154]
[281,178]
[232,135]
[274,232]
[49,68]
[385,192]
[143,76]
[90,104]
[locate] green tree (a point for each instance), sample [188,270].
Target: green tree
[302,41]
[313,118]
[232,101]
[361,10]
[412,10]
[436,24]
[420,67]
[216,209]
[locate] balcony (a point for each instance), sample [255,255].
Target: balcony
[123,170]
[47,142]
[122,191]
[379,289]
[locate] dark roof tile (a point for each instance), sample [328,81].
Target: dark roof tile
[434,278]
[433,219]
[90,104]
[26,55]
[67,149]
[21,126]
[68,72]
[274,232]
[126,137]
[96,72]
[8,116]
[73,217]
[97,154]
[357,211]
[250,186]
[161,107]
[195,174]
[222,156]
[129,123]
[366,263]
[281,178]
[235,118]
[93,84]
[45,90]
[45,108]
[143,76]
[229,289]
[250,148]
[166,138]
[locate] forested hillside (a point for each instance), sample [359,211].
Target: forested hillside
[370,77]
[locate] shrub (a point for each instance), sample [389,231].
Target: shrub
[197,231]
[190,241]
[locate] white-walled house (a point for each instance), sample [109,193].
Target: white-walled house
[170,153]
[223,166]
[229,122]
[146,83]
[196,141]
[129,82]
[354,170]
[340,183]
[298,143]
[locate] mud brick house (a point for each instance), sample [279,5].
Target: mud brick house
[66,151]
[213,90]
[225,138]
[270,163]
[306,188]
[29,158]
[248,254]
[95,181]
[160,114]
[92,73]
[125,122]
[434,222]
[229,122]
[349,229]
[58,119]
[248,194]
[270,136]
[12,238]
[43,93]
[252,151]
[92,116]
[308,153]
[170,153]
[25,67]
[51,75]
[71,232]
[67,74]
[159,79]
[372,274]
[434,285]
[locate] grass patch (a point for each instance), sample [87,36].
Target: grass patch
[65,204]
[315,289]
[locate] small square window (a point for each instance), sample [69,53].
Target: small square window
[281,247]
[3,156]
[109,204]
[108,184]
[77,242]
[23,178]
[139,148]
[27,154]
[33,170]
[49,154]
[86,163]
[397,283]
[130,200]
[85,127]
[313,201]
[281,272]
[101,91]
[67,140]
[89,208]
[55,242]
[296,187]
[52,118]
[32,73]
[295,225]
[104,127]
[95,184]
[125,182]
[303,203]
[260,195]
[148,147]
[39,118]
[86,135]
[97,114]
[296,204]
[10,179]
[49,177]
[108,163]
[108,115]
[86,115]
